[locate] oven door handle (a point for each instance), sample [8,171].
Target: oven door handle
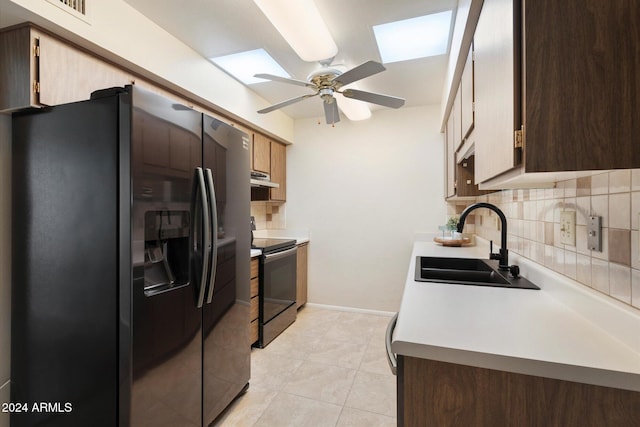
[278,255]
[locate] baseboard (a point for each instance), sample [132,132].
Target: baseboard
[351,309]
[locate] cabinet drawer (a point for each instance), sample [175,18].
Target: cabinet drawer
[253,331]
[254,268]
[254,287]
[254,310]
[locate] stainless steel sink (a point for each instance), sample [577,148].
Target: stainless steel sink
[467,271]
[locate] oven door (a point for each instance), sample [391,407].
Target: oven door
[278,283]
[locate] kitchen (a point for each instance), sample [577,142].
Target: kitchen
[392,203]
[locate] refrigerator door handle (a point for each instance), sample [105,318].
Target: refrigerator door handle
[214,232]
[206,219]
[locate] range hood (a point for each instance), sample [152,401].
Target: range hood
[260,179]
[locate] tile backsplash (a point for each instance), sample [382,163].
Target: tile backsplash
[268,215]
[534,230]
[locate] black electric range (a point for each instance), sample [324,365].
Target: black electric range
[270,245]
[277,287]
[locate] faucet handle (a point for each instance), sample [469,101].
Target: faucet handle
[491,254]
[515,271]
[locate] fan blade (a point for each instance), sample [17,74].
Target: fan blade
[285,80]
[331,112]
[285,103]
[367,69]
[374,98]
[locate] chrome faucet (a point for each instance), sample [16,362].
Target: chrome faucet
[503,256]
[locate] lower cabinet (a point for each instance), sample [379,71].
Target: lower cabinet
[255,307]
[432,393]
[301,283]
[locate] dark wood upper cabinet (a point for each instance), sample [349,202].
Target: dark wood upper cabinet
[581,84]
[566,74]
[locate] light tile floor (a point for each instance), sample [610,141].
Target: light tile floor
[327,369]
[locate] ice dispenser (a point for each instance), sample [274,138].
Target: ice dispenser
[166,243]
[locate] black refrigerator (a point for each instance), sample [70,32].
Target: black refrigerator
[130,263]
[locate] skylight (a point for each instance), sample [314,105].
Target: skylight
[414,38]
[244,65]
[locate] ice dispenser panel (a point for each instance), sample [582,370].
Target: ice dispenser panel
[166,250]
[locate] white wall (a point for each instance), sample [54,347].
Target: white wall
[5,261]
[363,189]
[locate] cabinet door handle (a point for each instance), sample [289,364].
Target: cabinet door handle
[391,357]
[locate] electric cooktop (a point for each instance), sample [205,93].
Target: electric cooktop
[272,245]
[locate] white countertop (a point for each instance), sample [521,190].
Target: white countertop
[255,253]
[550,333]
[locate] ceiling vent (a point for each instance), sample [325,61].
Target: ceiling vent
[77,8]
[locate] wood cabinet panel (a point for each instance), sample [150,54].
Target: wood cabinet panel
[466,97]
[497,88]
[18,76]
[254,268]
[444,394]
[254,308]
[582,94]
[255,283]
[466,185]
[261,153]
[302,271]
[254,304]
[450,160]
[40,69]
[253,331]
[456,123]
[68,74]
[279,171]
[576,70]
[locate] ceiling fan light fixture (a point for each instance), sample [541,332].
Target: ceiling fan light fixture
[301,25]
[354,110]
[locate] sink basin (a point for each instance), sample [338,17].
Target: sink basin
[467,271]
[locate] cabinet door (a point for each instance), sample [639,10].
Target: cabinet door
[581,87]
[466,96]
[497,95]
[68,74]
[261,153]
[279,171]
[456,114]
[301,284]
[450,159]
[18,71]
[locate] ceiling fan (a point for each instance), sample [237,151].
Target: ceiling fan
[327,81]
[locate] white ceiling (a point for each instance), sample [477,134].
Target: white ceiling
[221,27]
